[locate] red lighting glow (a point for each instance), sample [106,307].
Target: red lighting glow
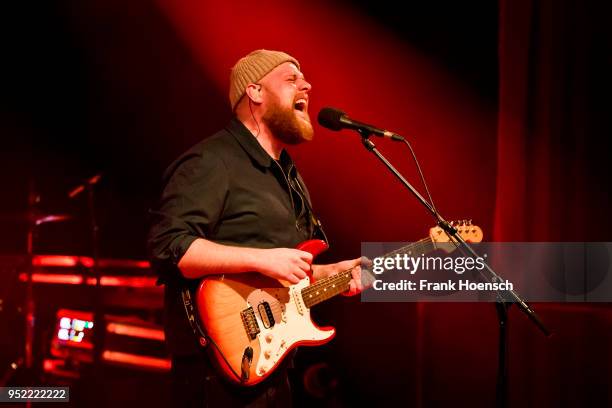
[135,331]
[87,262]
[58,367]
[75,279]
[123,263]
[125,281]
[63,279]
[61,260]
[136,360]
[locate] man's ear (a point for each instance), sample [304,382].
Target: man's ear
[254,92]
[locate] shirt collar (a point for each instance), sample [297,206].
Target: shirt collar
[249,143]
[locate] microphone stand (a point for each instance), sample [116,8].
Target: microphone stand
[505,298]
[30,307]
[99,327]
[26,362]
[98,332]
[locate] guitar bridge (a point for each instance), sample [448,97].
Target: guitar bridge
[250,323]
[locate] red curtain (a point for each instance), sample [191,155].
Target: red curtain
[553,178]
[553,184]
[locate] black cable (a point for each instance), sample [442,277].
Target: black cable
[433,206]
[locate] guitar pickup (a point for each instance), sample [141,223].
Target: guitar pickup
[250,323]
[265,312]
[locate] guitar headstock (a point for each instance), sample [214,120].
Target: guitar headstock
[468,231]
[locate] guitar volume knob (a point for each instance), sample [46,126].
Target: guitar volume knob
[268,338]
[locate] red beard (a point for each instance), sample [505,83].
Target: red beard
[286,126]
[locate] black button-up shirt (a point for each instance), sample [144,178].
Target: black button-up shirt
[229,190]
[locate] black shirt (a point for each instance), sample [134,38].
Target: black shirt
[229,190]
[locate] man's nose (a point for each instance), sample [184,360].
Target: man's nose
[305,86]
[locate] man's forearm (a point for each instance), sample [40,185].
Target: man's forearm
[204,257]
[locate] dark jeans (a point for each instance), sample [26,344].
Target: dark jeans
[195,383]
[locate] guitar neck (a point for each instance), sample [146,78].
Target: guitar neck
[331,286]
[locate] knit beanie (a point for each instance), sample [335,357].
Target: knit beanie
[252,68]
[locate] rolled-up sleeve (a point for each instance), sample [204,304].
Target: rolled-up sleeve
[192,202]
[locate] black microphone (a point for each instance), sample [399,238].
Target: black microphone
[335,119]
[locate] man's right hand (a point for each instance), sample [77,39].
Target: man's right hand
[287,264]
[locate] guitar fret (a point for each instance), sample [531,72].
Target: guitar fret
[323,282]
[330,286]
[422,246]
[326,288]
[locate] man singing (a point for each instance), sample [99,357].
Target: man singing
[234,203]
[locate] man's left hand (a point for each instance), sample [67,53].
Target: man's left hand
[355,286]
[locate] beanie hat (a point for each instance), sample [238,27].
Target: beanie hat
[252,68]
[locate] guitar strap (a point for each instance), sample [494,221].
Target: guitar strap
[316,222]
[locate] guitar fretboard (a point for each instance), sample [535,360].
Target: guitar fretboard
[329,287]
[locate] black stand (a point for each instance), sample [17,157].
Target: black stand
[501,394]
[98,330]
[30,307]
[25,363]
[99,327]
[504,298]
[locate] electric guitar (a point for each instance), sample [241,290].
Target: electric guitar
[253,321]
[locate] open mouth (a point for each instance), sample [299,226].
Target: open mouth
[300,105]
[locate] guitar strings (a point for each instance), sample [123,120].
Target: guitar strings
[423,244]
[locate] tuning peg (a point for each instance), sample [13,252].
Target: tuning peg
[470,221]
